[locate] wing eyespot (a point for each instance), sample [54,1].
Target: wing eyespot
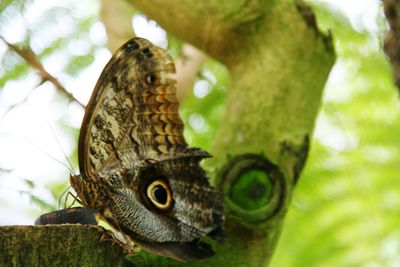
[147,53]
[159,194]
[132,45]
[151,79]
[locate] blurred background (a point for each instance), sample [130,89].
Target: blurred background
[345,211]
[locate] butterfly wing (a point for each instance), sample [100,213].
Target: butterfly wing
[131,138]
[133,112]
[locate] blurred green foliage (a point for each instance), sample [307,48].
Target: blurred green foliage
[54,32]
[346,204]
[202,115]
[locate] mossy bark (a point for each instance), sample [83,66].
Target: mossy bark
[279,63]
[57,245]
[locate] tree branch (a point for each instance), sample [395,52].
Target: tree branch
[34,62]
[187,69]
[208,25]
[117,19]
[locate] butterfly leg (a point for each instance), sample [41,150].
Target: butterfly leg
[75,199]
[118,239]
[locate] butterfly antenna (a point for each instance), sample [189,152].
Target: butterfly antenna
[71,169]
[50,156]
[61,197]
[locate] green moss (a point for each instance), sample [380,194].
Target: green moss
[252,190]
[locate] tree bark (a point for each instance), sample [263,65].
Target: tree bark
[56,245]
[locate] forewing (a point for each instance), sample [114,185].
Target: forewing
[133,112]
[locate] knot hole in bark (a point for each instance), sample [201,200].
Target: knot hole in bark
[253,188]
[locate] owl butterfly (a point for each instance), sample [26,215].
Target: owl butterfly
[137,172]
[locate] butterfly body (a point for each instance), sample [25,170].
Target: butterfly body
[137,171]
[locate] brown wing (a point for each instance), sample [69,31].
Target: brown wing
[133,112]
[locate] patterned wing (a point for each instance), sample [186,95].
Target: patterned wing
[133,112]
[137,171]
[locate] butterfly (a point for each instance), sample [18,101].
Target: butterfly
[136,170]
